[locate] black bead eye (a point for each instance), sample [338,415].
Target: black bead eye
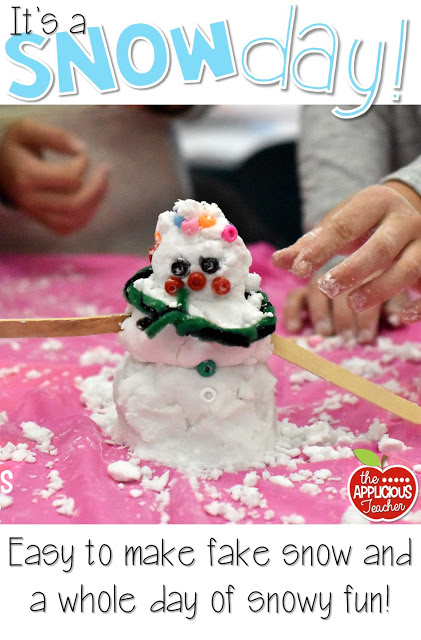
[209,265]
[180,268]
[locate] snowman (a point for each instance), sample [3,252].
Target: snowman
[194,389]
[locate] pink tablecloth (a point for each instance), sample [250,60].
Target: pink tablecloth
[37,384]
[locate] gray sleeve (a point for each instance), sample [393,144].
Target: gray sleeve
[339,157]
[410,175]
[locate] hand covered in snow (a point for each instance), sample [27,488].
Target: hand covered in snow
[380,227]
[59,194]
[330,317]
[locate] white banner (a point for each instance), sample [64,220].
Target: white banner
[187,581]
[273,52]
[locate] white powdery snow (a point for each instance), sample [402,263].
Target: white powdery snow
[225,510]
[41,435]
[99,355]
[5,501]
[123,471]
[17,453]
[248,496]
[157,483]
[363,367]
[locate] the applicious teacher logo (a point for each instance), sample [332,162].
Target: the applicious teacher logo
[380,493]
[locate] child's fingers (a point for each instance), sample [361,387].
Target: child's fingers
[397,278]
[294,306]
[376,254]
[343,318]
[38,135]
[67,175]
[367,323]
[67,213]
[412,312]
[284,258]
[392,308]
[319,310]
[360,214]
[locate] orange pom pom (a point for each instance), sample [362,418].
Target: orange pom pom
[207,220]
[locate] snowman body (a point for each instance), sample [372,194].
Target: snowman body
[194,389]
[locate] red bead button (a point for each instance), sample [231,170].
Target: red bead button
[172,285]
[221,286]
[196,281]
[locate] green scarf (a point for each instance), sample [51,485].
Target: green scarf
[159,315]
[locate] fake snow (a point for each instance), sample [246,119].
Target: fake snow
[33,374]
[99,355]
[157,483]
[362,367]
[5,501]
[123,471]
[9,371]
[294,518]
[55,484]
[310,488]
[389,445]
[248,496]
[322,439]
[251,479]
[52,344]
[65,506]
[226,510]
[281,481]
[41,435]
[17,453]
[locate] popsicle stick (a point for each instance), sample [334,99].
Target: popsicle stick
[283,347]
[61,327]
[377,395]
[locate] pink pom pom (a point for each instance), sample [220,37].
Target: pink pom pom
[230,233]
[190,226]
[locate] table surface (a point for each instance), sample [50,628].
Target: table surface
[40,380]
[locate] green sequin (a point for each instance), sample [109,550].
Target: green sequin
[206,368]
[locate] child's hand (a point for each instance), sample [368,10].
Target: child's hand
[381,227]
[57,194]
[330,317]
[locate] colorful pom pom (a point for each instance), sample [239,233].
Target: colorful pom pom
[229,233]
[190,226]
[172,285]
[207,220]
[178,220]
[221,286]
[196,281]
[157,238]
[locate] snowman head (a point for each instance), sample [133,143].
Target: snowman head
[198,248]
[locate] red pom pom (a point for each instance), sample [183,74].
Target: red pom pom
[196,281]
[172,285]
[221,286]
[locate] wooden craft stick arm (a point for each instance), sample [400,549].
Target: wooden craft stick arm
[61,327]
[283,347]
[345,379]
